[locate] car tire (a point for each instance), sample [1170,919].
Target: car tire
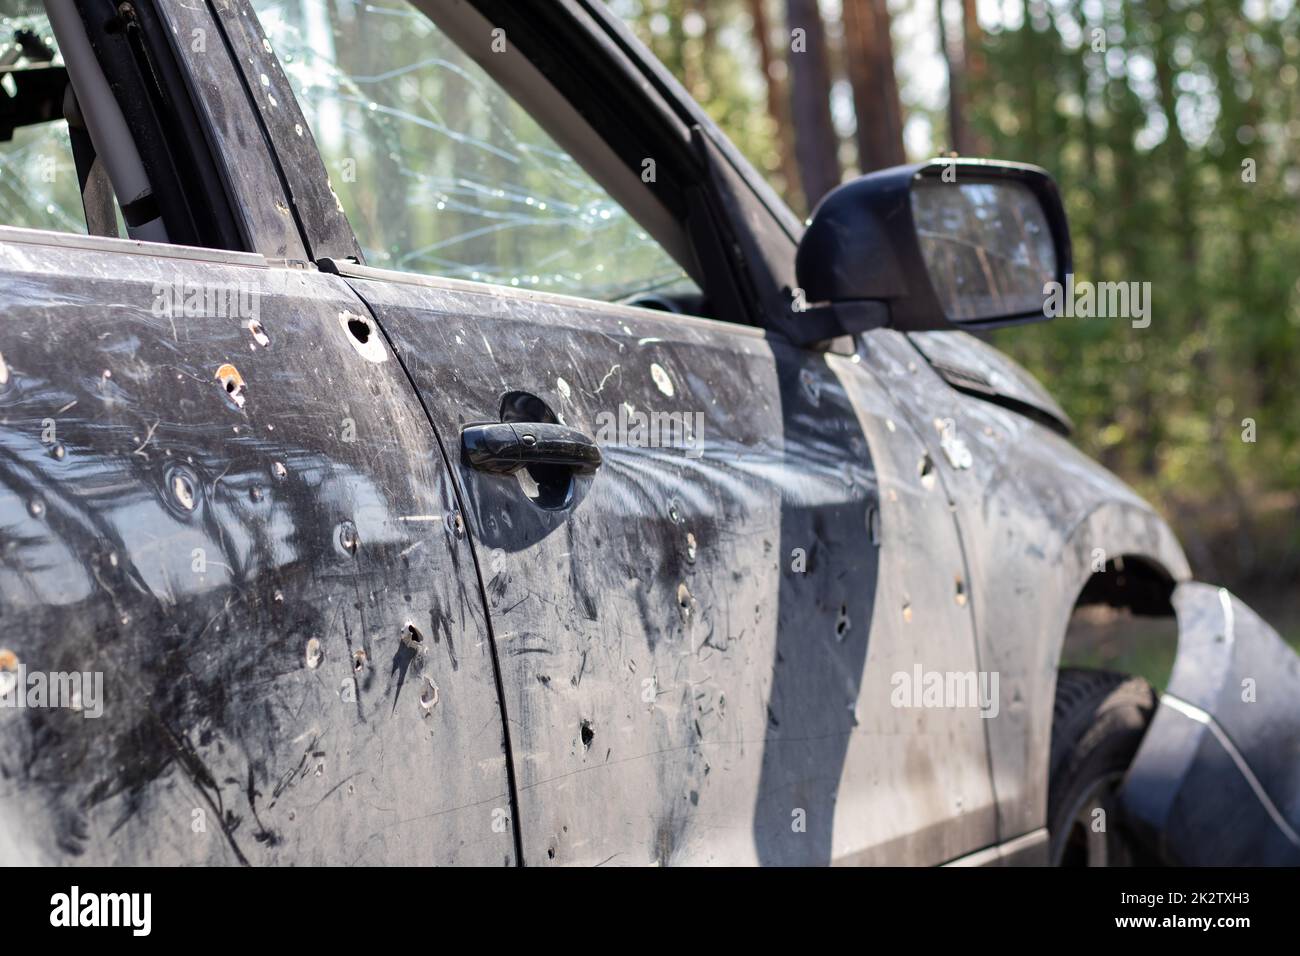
[1098,722]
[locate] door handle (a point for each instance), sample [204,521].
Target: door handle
[504,448]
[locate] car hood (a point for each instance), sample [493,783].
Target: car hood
[971,366]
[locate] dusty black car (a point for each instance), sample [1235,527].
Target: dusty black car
[465,458]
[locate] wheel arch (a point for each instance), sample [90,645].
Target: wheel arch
[1112,534]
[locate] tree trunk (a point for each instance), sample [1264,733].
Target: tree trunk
[778,107]
[972,74]
[816,144]
[870,55]
[954,80]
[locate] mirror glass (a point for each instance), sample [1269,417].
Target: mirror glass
[987,245]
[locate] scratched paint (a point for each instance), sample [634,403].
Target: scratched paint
[260,704]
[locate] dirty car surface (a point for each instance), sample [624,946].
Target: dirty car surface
[434,465]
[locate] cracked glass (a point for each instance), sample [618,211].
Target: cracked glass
[439,170]
[39,188]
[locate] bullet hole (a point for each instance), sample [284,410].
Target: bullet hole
[412,637]
[4,370]
[359,661]
[314,653]
[278,471]
[684,602]
[842,623]
[259,333]
[346,538]
[233,383]
[550,853]
[674,512]
[661,380]
[360,330]
[255,493]
[181,486]
[907,613]
[458,523]
[36,507]
[690,547]
[8,671]
[960,593]
[926,471]
[57,452]
[278,597]
[428,693]
[588,735]
[362,334]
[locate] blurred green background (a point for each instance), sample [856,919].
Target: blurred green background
[1173,129]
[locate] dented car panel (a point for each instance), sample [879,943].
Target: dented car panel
[246,527]
[328,637]
[1037,518]
[1217,778]
[711,621]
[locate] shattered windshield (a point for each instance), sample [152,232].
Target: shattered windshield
[439,170]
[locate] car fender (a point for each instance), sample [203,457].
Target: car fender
[1216,780]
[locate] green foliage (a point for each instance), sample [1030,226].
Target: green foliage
[710,47]
[1154,117]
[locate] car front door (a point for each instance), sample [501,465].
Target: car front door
[702,644]
[697,642]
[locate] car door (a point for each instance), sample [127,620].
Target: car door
[241,521]
[700,643]
[697,643]
[225,520]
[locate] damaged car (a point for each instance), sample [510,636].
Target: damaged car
[425,439]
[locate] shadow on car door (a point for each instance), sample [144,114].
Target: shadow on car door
[696,640]
[683,635]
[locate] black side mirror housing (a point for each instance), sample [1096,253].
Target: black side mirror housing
[952,243]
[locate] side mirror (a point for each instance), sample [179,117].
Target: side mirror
[952,243]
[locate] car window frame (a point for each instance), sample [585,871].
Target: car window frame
[713,226]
